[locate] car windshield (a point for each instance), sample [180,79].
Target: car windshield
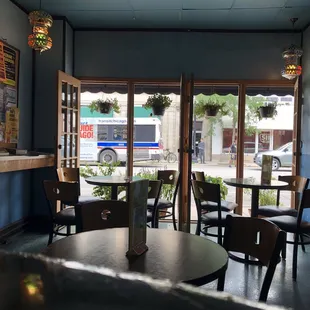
[283,147]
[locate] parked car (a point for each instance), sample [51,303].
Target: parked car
[282,157]
[249,148]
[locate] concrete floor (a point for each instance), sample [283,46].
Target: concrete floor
[241,280]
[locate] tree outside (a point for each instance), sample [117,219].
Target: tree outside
[228,107]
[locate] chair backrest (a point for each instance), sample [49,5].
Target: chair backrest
[170,177]
[205,191]
[101,215]
[198,175]
[258,238]
[69,175]
[303,217]
[154,190]
[65,192]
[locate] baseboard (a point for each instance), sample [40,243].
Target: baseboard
[14,228]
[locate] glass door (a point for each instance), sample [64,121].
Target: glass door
[68,136]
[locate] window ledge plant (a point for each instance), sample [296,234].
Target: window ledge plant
[158,103]
[105,106]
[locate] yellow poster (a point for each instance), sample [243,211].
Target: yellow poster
[2,65]
[12,125]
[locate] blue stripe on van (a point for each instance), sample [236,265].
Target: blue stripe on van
[136,144]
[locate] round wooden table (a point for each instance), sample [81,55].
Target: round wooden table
[255,185]
[113,181]
[173,255]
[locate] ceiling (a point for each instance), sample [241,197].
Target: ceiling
[178,14]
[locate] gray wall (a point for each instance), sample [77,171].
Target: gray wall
[167,55]
[69,49]
[15,187]
[305,158]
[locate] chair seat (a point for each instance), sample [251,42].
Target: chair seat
[226,206]
[211,218]
[65,217]
[276,211]
[162,203]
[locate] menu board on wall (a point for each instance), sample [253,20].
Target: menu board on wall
[9,60]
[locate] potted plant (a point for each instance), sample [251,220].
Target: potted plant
[158,103]
[104,106]
[267,110]
[210,105]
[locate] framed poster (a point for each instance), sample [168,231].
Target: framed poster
[9,74]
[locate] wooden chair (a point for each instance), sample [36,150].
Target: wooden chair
[257,238]
[297,225]
[66,193]
[73,175]
[169,177]
[296,184]
[204,191]
[227,206]
[101,215]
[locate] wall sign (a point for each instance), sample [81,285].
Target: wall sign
[9,67]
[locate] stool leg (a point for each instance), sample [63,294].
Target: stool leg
[302,242]
[51,234]
[68,230]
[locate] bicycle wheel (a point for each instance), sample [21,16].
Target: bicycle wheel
[171,158]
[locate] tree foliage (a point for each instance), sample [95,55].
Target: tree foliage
[229,107]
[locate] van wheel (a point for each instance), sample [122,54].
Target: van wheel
[275,164]
[108,157]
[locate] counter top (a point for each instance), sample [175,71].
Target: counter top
[22,162]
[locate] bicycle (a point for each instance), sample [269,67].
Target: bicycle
[168,156]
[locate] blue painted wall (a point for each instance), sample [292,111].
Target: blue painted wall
[69,49]
[305,136]
[167,55]
[15,187]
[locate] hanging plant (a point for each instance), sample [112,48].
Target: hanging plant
[105,106]
[267,110]
[158,103]
[210,106]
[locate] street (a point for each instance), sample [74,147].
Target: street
[212,169]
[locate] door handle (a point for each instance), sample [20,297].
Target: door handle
[59,146]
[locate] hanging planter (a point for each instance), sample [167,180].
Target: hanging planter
[158,103]
[211,110]
[105,106]
[268,110]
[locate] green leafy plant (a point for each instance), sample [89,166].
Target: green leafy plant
[204,103]
[271,109]
[96,104]
[104,169]
[218,180]
[157,100]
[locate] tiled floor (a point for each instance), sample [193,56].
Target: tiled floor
[241,280]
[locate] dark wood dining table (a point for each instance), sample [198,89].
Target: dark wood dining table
[172,255]
[113,181]
[255,185]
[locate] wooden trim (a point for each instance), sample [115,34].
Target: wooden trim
[252,83]
[95,80]
[17,163]
[240,145]
[130,127]
[8,145]
[13,228]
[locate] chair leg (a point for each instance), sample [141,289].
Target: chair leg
[68,230]
[219,235]
[295,252]
[51,234]
[302,242]
[221,283]
[174,220]
[283,253]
